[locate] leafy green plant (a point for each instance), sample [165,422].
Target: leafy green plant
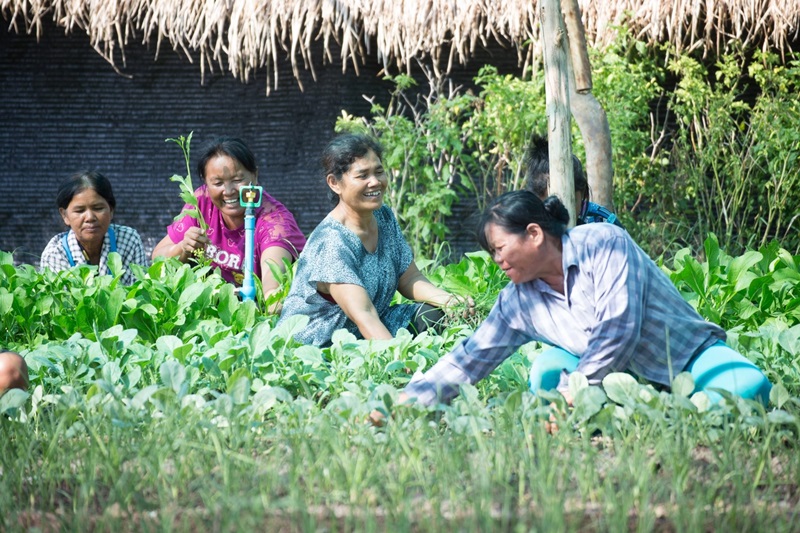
[185,182]
[187,193]
[755,297]
[736,155]
[508,110]
[627,78]
[144,417]
[476,276]
[773,125]
[284,277]
[744,290]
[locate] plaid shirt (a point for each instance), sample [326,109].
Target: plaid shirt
[129,247]
[619,312]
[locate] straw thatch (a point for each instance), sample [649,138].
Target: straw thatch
[245,35]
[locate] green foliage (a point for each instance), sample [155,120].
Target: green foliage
[284,277]
[746,290]
[508,111]
[170,404]
[185,183]
[715,153]
[736,158]
[168,298]
[626,79]
[190,315]
[73,323]
[755,297]
[475,276]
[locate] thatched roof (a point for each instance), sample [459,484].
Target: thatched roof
[246,35]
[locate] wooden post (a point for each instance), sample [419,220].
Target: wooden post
[554,34]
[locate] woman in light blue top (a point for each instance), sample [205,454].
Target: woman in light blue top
[357,258]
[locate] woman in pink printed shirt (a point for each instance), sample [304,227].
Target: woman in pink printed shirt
[226,165]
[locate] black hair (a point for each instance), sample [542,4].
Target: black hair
[514,210]
[232,147]
[340,154]
[537,169]
[79,182]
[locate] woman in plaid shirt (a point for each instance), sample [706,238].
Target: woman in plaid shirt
[597,299]
[86,203]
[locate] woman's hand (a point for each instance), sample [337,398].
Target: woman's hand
[193,240]
[463,303]
[551,426]
[378,419]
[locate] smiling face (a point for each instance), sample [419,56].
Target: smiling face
[88,215]
[224,176]
[363,185]
[521,256]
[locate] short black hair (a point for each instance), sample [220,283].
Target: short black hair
[79,182]
[514,210]
[340,153]
[232,147]
[537,169]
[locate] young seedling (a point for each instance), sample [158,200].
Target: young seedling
[187,191]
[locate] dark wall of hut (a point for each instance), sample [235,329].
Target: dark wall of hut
[63,108]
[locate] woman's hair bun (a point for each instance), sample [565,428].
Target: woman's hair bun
[556,209]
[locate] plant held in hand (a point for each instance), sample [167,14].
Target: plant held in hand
[187,192]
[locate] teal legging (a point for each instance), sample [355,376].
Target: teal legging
[717,367]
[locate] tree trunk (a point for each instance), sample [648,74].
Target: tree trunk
[557,89]
[579,56]
[589,114]
[592,121]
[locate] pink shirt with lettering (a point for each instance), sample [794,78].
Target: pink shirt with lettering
[275,226]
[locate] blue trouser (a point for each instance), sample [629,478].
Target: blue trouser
[716,367]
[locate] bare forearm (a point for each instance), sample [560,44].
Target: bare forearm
[167,248]
[371,327]
[417,287]
[358,307]
[429,293]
